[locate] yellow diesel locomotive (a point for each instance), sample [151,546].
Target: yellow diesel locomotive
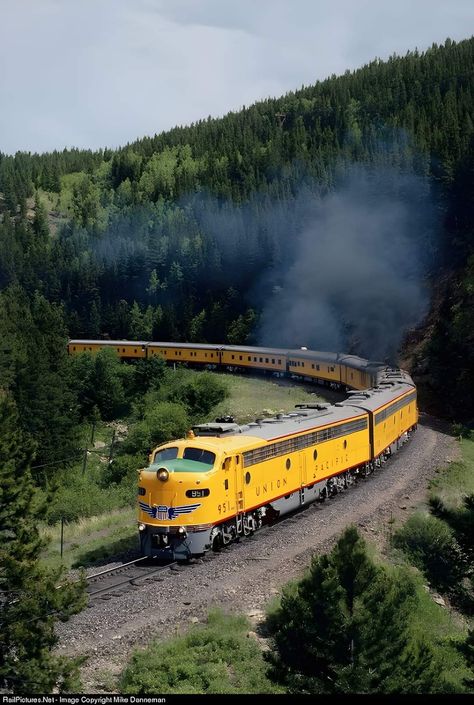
[224,480]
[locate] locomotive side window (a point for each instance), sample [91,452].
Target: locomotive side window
[199,455]
[165,454]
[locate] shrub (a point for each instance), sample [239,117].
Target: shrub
[164,421]
[218,657]
[431,545]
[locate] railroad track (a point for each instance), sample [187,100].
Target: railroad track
[114,582]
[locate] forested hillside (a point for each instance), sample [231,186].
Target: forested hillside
[193,234]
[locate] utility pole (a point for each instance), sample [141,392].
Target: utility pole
[84,462]
[111,451]
[62,535]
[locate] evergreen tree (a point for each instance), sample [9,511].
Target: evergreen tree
[40,222]
[30,602]
[345,628]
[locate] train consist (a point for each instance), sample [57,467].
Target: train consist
[224,481]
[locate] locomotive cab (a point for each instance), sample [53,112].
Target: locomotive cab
[174,493]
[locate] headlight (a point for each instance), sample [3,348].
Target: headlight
[141,527]
[163,474]
[182,532]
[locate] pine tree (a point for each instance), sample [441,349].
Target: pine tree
[30,602]
[345,628]
[40,222]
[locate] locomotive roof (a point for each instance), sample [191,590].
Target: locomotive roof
[303,418]
[373,399]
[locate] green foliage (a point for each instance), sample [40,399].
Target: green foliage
[149,373]
[220,657]
[78,495]
[85,202]
[461,522]
[459,430]
[199,393]
[432,546]
[31,602]
[35,367]
[345,628]
[467,649]
[162,422]
[100,382]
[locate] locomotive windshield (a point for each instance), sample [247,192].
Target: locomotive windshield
[165,454]
[199,455]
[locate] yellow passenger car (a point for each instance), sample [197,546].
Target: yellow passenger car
[192,353]
[323,366]
[123,348]
[268,359]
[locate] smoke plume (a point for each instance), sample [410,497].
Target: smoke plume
[354,281]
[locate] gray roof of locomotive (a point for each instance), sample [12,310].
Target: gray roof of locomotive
[304,418]
[372,399]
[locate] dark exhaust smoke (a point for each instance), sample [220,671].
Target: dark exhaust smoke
[355,280]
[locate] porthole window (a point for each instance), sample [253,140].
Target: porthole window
[247,478]
[315,454]
[288,463]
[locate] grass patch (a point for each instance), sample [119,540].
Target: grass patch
[251,397]
[444,630]
[219,657]
[456,480]
[91,539]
